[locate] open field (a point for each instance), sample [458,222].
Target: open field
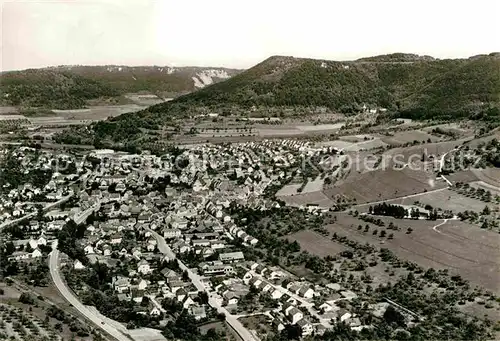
[338,144]
[464,249]
[316,244]
[413,153]
[408,137]
[146,99]
[446,200]
[8,110]
[454,128]
[487,187]
[384,184]
[357,138]
[462,176]
[489,175]
[303,199]
[366,145]
[296,129]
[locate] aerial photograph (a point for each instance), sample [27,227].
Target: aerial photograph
[196,170]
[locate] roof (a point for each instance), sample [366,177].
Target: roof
[231,255]
[303,322]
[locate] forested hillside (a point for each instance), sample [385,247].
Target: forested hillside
[71,87]
[412,86]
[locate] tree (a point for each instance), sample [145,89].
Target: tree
[392,316]
[26,298]
[9,248]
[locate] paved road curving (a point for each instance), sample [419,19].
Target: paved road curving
[196,280]
[73,300]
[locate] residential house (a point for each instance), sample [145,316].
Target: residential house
[306,327]
[77,265]
[198,312]
[143,267]
[216,268]
[171,233]
[181,294]
[121,284]
[295,315]
[230,298]
[143,284]
[116,238]
[36,253]
[306,292]
[154,311]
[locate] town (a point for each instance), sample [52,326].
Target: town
[148,238]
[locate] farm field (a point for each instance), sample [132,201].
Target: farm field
[319,127]
[338,144]
[415,152]
[408,137]
[489,175]
[462,248]
[303,199]
[366,145]
[450,127]
[465,176]
[357,138]
[384,184]
[316,244]
[446,200]
[37,312]
[487,187]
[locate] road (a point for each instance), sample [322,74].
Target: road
[441,165]
[399,198]
[436,226]
[48,207]
[33,214]
[196,280]
[73,300]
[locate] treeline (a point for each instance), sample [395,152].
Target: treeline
[68,238]
[50,89]
[395,211]
[12,174]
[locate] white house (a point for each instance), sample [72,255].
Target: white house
[295,315]
[155,312]
[77,265]
[306,327]
[36,253]
[143,284]
[306,292]
[116,239]
[143,267]
[171,233]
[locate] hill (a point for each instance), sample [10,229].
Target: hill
[410,85]
[71,87]
[406,85]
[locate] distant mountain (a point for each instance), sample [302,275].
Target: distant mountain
[69,87]
[409,84]
[406,85]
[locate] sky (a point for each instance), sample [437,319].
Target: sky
[239,33]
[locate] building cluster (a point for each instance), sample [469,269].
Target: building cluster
[144,214]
